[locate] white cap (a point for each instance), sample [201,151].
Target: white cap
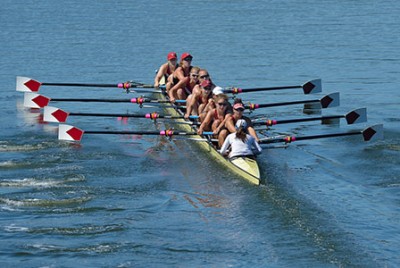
[218,90]
[241,123]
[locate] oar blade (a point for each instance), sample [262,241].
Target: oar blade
[33,100]
[69,133]
[26,84]
[54,114]
[330,100]
[373,133]
[356,116]
[313,86]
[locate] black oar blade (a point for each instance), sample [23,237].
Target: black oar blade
[373,133]
[313,86]
[356,116]
[331,100]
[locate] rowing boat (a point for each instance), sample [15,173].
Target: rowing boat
[242,166]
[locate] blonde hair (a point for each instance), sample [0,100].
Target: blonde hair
[196,69]
[221,96]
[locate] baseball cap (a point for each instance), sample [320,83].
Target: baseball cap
[186,55]
[238,105]
[205,83]
[241,123]
[217,90]
[171,56]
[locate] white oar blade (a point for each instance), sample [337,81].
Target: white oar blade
[373,133]
[33,100]
[313,86]
[26,84]
[69,133]
[356,116]
[54,114]
[330,100]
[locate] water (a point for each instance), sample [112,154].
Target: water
[143,201]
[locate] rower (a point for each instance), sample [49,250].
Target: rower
[216,118]
[166,69]
[240,142]
[203,76]
[193,81]
[200,100]
[180,78]
[238,109]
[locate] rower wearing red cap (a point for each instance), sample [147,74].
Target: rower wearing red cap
[238,109]
[203,75]
[166,69]
[200,101]
[197,92]
[180,78]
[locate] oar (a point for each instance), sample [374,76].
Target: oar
[331,100]
[353,117]
[26,84]
[310,87]
[34,100]
[71,133]
[371,133]
[54,114]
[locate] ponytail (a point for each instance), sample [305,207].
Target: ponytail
[241,134]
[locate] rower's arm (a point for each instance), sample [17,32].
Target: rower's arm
[257,147]
[190,104]
[253,133]
[205,122]
[225,146]
[223,122]
[229,125]
[159,75]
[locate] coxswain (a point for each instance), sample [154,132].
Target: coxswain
[240,142]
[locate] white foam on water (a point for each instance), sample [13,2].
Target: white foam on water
[41,183]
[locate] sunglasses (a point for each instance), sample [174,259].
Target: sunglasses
[194,75]
[207,88]
[187,59]
[222,103]
[205,76]
[239,110]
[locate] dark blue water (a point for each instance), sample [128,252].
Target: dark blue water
[141,201]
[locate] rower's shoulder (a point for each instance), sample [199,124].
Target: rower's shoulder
[163,67]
